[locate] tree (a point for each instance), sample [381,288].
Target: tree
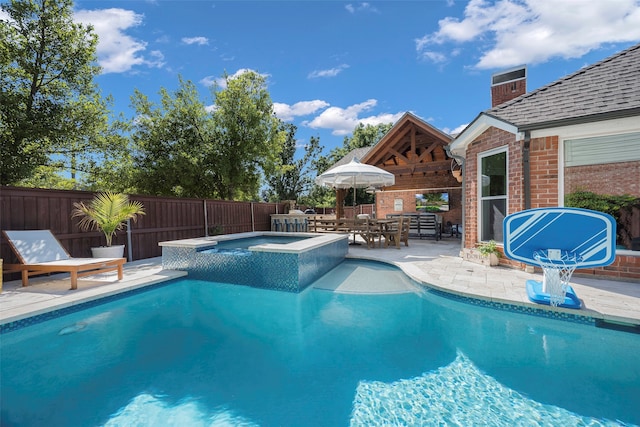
[48,100]
[180,149]
[293,178]
[248,135]
[114,168]
[175,147]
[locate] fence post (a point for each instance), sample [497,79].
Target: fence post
[129,248]
[253,220]
[206,221]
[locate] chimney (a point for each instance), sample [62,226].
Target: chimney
[508,84]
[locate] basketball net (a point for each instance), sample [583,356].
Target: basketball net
[558,266]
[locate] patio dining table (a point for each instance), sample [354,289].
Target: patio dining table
[367,228]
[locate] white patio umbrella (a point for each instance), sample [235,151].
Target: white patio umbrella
[356,175]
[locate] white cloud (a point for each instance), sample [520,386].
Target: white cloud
[195,40]
[117,51]
[303,108]
[221,82]
[361,7]
[332,72]
[455,131]
[435,57]
[342,121]
[533,31]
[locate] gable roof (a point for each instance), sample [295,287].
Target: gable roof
[605,90]
[407,124]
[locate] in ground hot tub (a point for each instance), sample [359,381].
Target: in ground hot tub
[283,261]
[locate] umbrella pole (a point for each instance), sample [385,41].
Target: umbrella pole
[354,213]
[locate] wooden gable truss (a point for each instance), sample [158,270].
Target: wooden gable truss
[413,151]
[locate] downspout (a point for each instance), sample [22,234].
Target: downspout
[460,161]
[526,170]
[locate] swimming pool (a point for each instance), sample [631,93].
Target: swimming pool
[201,353]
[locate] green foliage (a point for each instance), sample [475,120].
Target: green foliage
[321,197]
[113,169]
[292,179]
[174,145]
[249,136]
[107,212]
[182,150]
[431,208]
[215,230]
[488,248]
[600,202]
[48,101]
[47,177]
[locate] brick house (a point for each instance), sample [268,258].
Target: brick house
[581,132]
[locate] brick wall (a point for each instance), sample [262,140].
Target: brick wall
[385,204]
[611,178]
[543,163]
[491,139]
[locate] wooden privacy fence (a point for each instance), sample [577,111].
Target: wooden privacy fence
[165,219]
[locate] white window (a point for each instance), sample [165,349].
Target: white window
[492,189]
[602,149]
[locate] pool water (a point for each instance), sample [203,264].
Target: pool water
[246,242]
[200,354]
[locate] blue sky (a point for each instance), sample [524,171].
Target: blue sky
[331,64]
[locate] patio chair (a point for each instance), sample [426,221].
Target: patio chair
[396,233]
[404,234]
[40,253]
[370,230]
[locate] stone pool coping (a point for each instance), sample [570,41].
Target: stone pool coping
[312,241]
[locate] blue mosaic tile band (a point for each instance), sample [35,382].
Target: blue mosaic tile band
[39,318]
[284,271]
[512,308]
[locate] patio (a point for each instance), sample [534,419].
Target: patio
[435,263]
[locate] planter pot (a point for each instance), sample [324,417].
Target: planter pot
[475,256]
[493,260]
[116,251]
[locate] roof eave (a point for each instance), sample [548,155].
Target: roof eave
[610,115]
[480,124]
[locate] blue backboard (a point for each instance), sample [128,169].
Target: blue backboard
[590,234]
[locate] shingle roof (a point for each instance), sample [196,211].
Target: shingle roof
[606,87]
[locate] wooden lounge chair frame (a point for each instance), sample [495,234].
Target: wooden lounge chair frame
[40,252]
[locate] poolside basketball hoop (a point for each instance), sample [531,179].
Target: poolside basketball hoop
[557,267]
[580,238]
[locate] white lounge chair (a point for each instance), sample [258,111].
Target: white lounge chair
[40,252]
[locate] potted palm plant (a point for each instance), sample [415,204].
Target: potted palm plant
[107,212]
